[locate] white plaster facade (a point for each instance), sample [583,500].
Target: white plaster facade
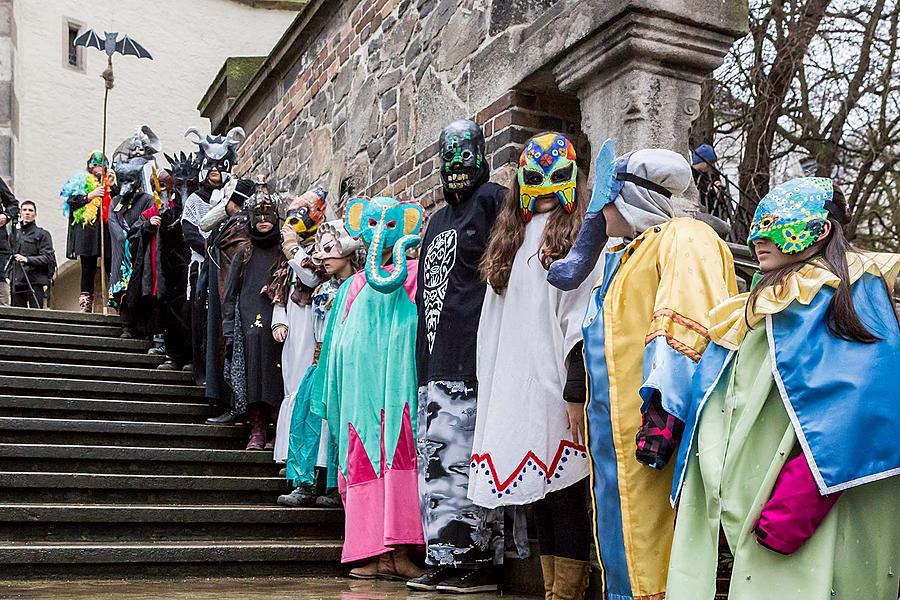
[59,108]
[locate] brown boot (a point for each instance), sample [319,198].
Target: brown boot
[367,571]
[571,578]
[397,566]
[257,419]
[548,568]
[85,302]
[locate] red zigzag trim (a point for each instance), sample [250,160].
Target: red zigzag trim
[548,473]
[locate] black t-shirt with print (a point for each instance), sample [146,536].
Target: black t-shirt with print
[450,290]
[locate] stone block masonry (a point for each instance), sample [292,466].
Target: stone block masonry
[354,96]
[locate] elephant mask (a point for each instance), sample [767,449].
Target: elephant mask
[384,224]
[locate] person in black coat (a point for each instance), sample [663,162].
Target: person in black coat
[9,212]
[34,261]
[247,321]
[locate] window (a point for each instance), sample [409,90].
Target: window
[74,57]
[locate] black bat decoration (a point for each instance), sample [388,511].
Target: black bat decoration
[110,44]
[129,47]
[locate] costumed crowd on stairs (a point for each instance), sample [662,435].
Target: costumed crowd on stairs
[584,353]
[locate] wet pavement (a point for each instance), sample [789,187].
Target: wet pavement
[225,589]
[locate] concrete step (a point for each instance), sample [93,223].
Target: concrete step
[59,316]
[104,488]
[89,388]
[136,460]
[99,409]
[57,327]
[114,374]
[79,357]
[28,430]
[86,342]
[141,559]
[113,522]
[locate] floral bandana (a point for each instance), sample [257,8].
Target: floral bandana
[793,214]
[547,166]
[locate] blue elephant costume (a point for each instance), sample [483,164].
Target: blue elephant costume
[365,385]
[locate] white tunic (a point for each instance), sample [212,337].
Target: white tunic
[523,448]
[296,357]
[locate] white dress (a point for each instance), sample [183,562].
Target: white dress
[296,354]
[523,448]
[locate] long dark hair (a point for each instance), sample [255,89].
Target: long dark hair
[841,317]
[508,233]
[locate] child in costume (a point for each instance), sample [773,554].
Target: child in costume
[291,289]
[528,445]
[247,320]
[365,387]
[790,441]
[339,256]
[83,195]
[644,330]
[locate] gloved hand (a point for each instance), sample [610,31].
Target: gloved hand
[658,437]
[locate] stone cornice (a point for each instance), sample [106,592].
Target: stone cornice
[654,42]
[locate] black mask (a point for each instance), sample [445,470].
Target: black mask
[130,175]
[463,164]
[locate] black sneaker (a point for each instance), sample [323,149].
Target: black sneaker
[429,580]
[470,582]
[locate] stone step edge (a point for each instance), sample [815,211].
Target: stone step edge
[103,372]
[106,481]
[162,513]
[129,552]
[104,405]
[140,453]
[78,385]
[113,426]
[61,316]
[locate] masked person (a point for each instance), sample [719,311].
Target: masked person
[82,196]
[365,387]
[291,290]
[216,157]
[529,445]
[247,319]
[125,211]
[644,331]
[462,540]
[787,446]
[310,455]
[160,278]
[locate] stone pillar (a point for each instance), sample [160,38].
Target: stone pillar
[638,76]
[8,126]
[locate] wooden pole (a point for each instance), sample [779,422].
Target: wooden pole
[103,286]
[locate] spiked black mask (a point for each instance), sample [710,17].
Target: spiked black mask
[184,171]
[217,152]
[463,164]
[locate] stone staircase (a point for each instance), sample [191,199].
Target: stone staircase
[108,470]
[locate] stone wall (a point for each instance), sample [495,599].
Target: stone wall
[375,87]
[354,96]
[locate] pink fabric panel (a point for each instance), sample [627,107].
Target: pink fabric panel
[405,453]
[359,467]
[402,518]
[411,278]
[356,286]
[795,510]
[363,521]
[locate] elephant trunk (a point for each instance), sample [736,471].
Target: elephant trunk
[570,272]
[381,279]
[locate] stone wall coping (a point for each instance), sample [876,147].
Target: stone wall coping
[560,30]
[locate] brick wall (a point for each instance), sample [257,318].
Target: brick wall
[360,109]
